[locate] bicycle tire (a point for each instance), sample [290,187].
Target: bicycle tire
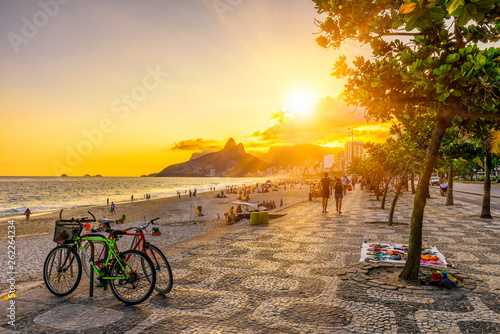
[101,250]
[141,281]
[66,277]
[164,278]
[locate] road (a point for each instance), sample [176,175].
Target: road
[472,193]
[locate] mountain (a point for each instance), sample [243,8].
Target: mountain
[296,155]
[199,154]
[232,160]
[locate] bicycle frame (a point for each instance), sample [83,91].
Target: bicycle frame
[139,239]
[112,254]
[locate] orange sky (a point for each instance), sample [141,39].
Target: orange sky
[125,88]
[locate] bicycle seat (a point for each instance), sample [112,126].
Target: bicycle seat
[104,221]
[115,233]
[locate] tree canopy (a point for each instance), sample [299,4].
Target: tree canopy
[430,58]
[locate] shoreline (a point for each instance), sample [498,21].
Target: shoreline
[170,209]
[20,214]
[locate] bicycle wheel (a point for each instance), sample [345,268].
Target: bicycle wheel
[100,255]
[141,277]
[62,270]
[164,279]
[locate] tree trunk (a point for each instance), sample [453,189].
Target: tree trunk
[406,181]
[449,195]
[428,193]
[398,190]
[386,187]
[377,182]
[412,265]
[412,182]
[485,210]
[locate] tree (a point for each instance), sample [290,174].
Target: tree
[425,61]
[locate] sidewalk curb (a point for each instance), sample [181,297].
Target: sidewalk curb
[468,192]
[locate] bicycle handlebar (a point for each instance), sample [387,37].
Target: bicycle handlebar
[146,226]
[81,220]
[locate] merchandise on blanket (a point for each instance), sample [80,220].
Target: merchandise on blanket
[444,279]
[397,253]
[379,245]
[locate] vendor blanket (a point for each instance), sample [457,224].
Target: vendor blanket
[396,253]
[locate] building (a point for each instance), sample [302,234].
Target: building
[353,149]
[341,163]
[329,161]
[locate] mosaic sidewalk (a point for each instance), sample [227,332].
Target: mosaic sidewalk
[301,274]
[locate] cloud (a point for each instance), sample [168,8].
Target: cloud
[197,145]
[327,123]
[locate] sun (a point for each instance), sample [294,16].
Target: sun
[300,103]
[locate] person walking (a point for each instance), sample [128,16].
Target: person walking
[344,183]
[113,208]
[230,215]
[324,189]
[27,213]
[339,194]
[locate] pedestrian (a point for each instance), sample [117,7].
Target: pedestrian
[353,183]
[27,213]
[132,198]
[113,208]
[190,193]
[230,214]
[107,201]
[339,194]
[324,189]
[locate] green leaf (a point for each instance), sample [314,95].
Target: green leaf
[464,18]
[472,9]
[454,5]
[443,96]
[412,21]
[437,13]
[454,57]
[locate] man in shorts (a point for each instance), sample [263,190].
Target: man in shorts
[324,188]
[339,194]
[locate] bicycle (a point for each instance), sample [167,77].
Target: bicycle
[164,278]
[130,274]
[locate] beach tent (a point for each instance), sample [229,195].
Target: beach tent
[252,205]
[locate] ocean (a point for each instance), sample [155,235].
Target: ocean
[46,194]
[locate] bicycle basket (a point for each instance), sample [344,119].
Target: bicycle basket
[66,233]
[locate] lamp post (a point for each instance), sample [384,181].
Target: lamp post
[350,132]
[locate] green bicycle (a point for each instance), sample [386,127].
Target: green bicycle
[130,274]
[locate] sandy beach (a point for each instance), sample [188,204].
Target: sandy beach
[178,222]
